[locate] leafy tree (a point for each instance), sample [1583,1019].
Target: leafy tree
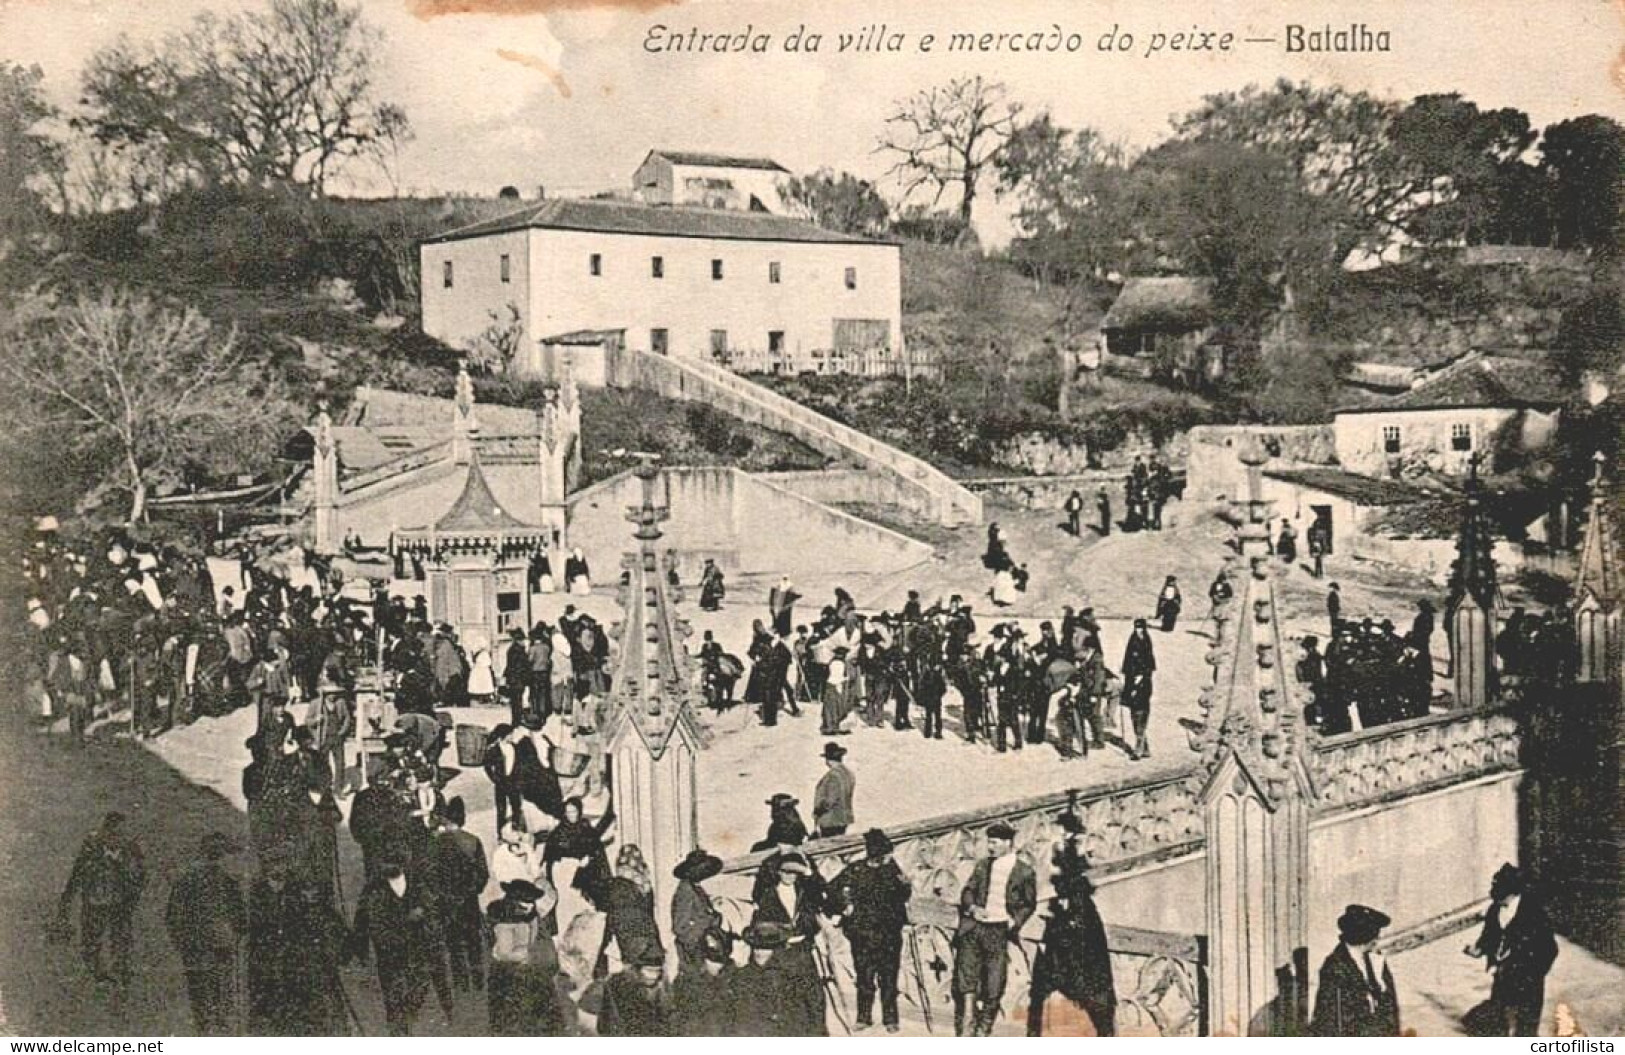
[1585,157]
[1073,197]
[149,394]
[949,136]
[838,202]
[278,96]
[1465,157]
[30,160]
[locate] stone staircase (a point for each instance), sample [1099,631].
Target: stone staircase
[910,482]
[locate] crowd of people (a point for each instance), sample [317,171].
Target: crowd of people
[897,668]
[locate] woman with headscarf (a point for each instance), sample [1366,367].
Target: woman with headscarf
[574,853]
[577,577]
[629,912]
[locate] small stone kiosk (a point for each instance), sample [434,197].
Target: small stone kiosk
[476,559]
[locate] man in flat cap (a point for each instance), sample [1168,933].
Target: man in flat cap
[999,897]
[1356,996]
[871,899]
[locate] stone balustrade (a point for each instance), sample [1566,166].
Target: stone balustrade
[1374,766]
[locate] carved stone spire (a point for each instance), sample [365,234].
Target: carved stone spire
[1255,790]
[325,472]
[1474,569]
[652,736]
[1470,613]
[465,424]
[1598,613]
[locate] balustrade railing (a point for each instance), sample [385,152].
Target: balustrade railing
[1406,758]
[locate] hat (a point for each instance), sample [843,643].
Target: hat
[531,721]
[517,634]
[781,799]
[1507,880]
[834,752]
[1360,925]
[454,811]
[876,843]
[765,935]
[1070,823]
[1139,624]
[795,863]
[1001,830]
[716,946]
[698,866]
[1310,641]
[523,890]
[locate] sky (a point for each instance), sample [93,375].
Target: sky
[563,92]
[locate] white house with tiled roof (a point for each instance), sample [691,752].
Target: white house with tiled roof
[713,181]
[692,283]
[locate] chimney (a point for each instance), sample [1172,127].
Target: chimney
[541,192]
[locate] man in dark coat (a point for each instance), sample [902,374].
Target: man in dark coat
[457,877]
[637,1002]
[871,898]
[206,919]
[541,659]
[108,876]
[1334,607]
[1073,958]
[397,921]
[296,939]
[1139,664]
[702,998]
[995,904]
[832,798]
[1356,996]
[1519,946]
[765,996]
[1074,513]
[516,674]
[1103,505]
[1169,602]
[524,996]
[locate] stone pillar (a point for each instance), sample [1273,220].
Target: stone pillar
[1470,612]
[325,476]
[1597,615]
[1472,653]
[552,452]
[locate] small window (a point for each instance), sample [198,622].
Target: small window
[773,272]
[719,343]
[658,342]
[851,278]
[775,342]
[1390,439]
[1461,437]
[445,274]
[716,271]
[657,266]
[507,270]
[595,264]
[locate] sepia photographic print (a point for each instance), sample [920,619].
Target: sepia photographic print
[757,518]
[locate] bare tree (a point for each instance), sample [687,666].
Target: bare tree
[150,393]
[947,136]
[280,95]
[499,343]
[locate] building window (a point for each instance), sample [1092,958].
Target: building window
[775,342]
[658,342]
[716,271]
[719,344]
[773,272]
[851,278]
[1461,437]
[507,269]
[1390,439]
[445,274]
[595,264]
[657,266]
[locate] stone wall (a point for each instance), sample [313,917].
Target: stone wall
[1213,470]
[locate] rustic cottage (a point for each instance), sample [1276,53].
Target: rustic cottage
[712,181]
[1162,325]
[1501,408]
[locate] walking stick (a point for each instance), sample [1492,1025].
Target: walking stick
[919,977]
[826,974]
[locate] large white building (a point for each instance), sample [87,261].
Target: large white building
[743,287]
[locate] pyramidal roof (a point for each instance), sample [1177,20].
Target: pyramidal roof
[477,508]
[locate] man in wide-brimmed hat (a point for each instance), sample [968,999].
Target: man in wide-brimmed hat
[1073,958]
[637,1002]
[766,1002]
[523,998]
[832,799]
[693,916]
[871,899]
[703,998]
[1356,996]
[1516,943]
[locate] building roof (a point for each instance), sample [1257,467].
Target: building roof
[721,161]
[1478,380]
[1361,490]
[1163,302]
[623,217]
[477,509]
[585,338]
